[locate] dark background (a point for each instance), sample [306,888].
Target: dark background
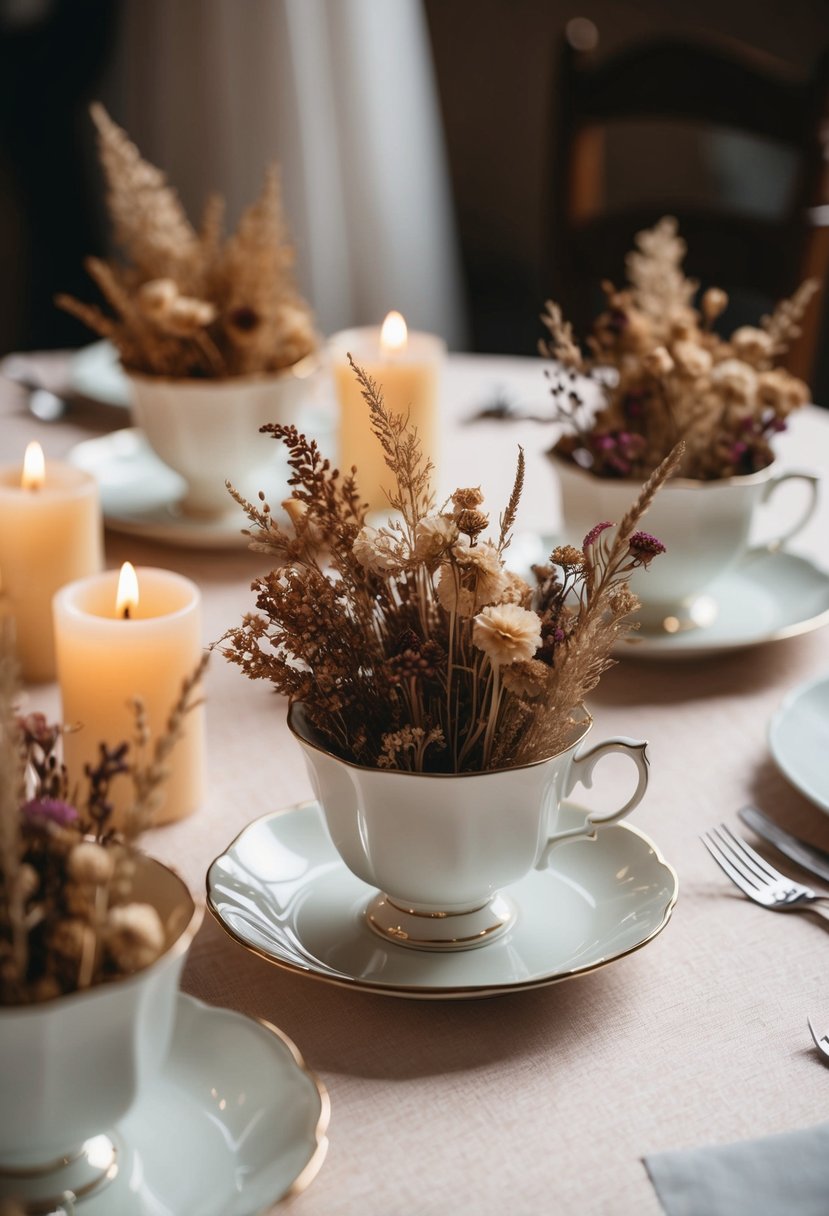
[495,72]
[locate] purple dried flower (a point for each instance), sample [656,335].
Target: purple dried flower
[643,548]
[594,533]
[49,810]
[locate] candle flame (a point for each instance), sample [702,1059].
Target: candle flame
[394,335]
[126,601]
[34,467]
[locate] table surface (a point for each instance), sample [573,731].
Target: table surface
[547,1099]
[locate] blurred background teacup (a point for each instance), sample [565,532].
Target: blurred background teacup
[208,431]
[706,527]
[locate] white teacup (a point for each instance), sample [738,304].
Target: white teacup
[208,430]
[705,527]
[442,847]
[75,1065]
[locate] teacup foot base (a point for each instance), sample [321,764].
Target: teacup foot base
[419,929]
[56,1186]
[696,614]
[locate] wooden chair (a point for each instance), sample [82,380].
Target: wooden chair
[710,86]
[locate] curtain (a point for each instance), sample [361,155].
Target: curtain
[342,94]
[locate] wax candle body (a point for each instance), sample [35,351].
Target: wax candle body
[104,661]
[409,381]
[49,536]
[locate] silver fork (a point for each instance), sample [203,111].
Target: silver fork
[755,877]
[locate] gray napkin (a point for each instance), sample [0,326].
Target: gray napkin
[784,1175]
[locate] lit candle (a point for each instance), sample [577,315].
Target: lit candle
[127,636]
[50,533]
[406,367]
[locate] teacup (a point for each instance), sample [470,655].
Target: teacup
[705,526]
[208,430]
[441,848]
[74,1065]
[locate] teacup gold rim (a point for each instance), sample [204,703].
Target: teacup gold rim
[301,370]
[633,484]
[586,726]
[179,946]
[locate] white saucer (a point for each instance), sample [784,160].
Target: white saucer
[234,1124]
[282,891]
[139,494]
[799,739]
[768,596]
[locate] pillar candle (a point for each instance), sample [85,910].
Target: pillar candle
[105,659]
[51,533]
[406,367]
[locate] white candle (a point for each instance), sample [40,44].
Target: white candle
[51,532]
[406,367]
[108,654]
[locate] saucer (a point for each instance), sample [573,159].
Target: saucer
[766,597]
[139,494]
[233,1124]
[282,890]
[799,739]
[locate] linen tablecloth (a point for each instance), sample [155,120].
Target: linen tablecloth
[544,1100]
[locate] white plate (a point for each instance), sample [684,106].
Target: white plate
[799,739]
[95,371]
[282,891]
[768,596]
[232,1125]
[139,494]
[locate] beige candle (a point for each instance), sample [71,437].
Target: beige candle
[111,649]
[406,366]
[51,533]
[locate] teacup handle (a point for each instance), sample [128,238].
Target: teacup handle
[581,770]
[812,481]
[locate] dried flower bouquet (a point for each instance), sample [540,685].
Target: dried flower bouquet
[414,647]
[68,918]
[190,303]
[663,374]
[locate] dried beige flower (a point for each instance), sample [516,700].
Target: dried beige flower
[433,536]
[378,550]
[691,360]
[527,678]
[714,302]
[506,633]
[134,936]
[89,862]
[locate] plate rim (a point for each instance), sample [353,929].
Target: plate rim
[640,646]
[792,696]
[436,992]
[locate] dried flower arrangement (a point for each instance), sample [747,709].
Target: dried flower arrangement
[190,303]
[414,647]
[663,374]
[68,919]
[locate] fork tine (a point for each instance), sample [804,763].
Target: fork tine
[763,868]
[746,884]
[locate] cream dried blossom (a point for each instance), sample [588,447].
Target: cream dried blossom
[434,535]
[378,550]
[89,862]
[752,344]
[472,578]
[507,634]
[736,380]
[134,936]
[691,360]
[527,678]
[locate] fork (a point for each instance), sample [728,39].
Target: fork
[755,877]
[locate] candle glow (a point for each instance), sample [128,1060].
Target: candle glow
[394,334]
[34,467]
[126,599]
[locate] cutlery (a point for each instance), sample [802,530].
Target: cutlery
[821,1041]
[40,401]
[810,858]
[756,878]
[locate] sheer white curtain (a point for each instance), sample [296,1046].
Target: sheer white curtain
[342,94]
